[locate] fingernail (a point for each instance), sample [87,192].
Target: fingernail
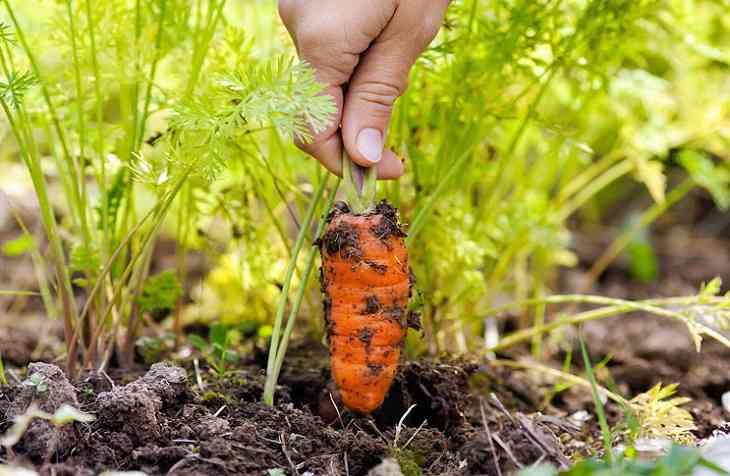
[370,144]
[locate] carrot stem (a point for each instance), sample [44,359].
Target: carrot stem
[360,185]
[308,267]
[268,396]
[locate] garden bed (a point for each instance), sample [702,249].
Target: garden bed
[467,415]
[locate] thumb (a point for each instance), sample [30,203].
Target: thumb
[380,79]
[382,76]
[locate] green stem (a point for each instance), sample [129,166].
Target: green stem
[270,385]
[308,267]
[574,379]
[81,124]
[425,211]
[3,378]
[137,280]
[31,158]
[360,185]
[600,411]
[596,184]
[620,307]
[158,213]
[112,259]
[100,132]
[71,163]
[10,292]
[137,72]
[599,300]
[153,72]
[202,42]
[40,266]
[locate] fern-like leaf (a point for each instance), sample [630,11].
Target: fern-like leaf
[14,88]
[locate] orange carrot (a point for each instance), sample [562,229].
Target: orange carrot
[366,283]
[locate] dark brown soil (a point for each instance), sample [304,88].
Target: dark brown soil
[163,423]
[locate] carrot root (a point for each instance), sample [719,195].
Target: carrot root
[366,282]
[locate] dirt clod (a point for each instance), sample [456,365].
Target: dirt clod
[48,386]
[342,239]
[372,305]
[139,403]
[389,225]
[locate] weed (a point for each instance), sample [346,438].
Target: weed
[658,414]
[216,351]
[680,461]
[64,415]
[600,410]
[3,377]
[36,381]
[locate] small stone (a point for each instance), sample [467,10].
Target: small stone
[651,448]
[580,417]
[717,451]
[726,402]
[388,467]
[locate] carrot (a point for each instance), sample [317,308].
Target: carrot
[366,282]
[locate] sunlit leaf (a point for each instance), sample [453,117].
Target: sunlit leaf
[18,246]
[714,178]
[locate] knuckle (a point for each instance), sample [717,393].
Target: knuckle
[308,38]
[430,27]
[313,35]
[319,45]
[380,93]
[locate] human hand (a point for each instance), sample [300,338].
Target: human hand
[362,51]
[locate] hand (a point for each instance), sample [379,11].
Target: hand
[362,51]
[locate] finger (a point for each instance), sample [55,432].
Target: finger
[382,76]
[329,154]
[390,166]
[326,145]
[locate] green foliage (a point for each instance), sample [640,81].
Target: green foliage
[36,381]
[680,461]
[658,414]
[597,403]
[714,178]
[408,463]
[3,377]
[207,127]
[19,246]
[15,87]
[216,350]
[84,257]
[165,97]
[520,114]
[643,262]
[160,293]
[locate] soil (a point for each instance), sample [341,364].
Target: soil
[441,416]
[163,423]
